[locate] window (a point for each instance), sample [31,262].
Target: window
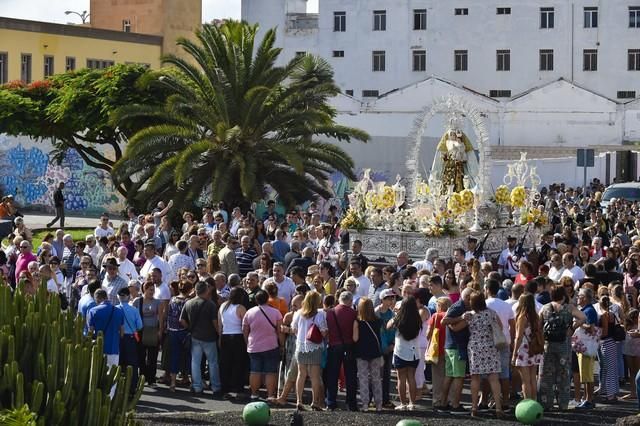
[461,11]
[349,92]
[419,60]
[590,60]
[25,67]
[460,60]
[379,20]
[634,59]
[419,19]
[378,57]
[126,25]
[503,60]
[70,63]
[339,22]
[338,53]
[4,67]
[499,93]
[503,11]
[48,66]
[626,94]
[591,17]
[546,59]
[547,17]
[98,64]
[634,16]
[370,93]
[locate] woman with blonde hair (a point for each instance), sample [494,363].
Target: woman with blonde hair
[528,329]
[309,324]
[368,351]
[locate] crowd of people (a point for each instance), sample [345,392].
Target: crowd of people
[235,303]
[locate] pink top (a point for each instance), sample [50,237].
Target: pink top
[22,262]
[262,335]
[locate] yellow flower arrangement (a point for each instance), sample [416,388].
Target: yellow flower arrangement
[502,195]
[518,195]
[422,189]
[387,199]
[467,199]
[352,220]
[454,203]
[535,216]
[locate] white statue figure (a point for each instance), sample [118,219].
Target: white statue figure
[399,192]
[455,161]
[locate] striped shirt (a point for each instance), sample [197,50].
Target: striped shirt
[244,258]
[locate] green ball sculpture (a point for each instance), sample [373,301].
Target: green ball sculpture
[256,414]
[408,422]
[529,411]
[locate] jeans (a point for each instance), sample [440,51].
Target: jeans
[210,351]
[148,362]
[129,356]
[386,377]
[336,358]
[176,349]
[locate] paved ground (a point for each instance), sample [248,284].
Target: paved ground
[38,220]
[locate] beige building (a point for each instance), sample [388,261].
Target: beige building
[167,18]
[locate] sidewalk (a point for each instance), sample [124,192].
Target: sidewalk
[39,221]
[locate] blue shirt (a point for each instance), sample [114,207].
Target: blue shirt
[591,314]
[457,339]
[280,248]
[131,316]
[106,318]
[387,337]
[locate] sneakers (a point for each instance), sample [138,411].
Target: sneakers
[389,405]
[411,407]
[442,408]
[573,403]
[586,405]
[401,407]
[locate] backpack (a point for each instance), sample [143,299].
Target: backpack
[555,328]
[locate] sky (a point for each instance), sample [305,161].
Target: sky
[53,10]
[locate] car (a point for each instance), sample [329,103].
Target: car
[630,191]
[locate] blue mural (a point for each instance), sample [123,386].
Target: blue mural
[31,176]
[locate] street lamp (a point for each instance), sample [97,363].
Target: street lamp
[84,15]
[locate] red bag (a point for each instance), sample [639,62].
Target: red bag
[314,335]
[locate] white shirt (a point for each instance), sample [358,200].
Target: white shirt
[127,270]
[555,274]
[503,309]
[100,232]
[286,288]
[162,292]
[423,264]
[156,262]
[363,285]
[468,255]
[506,262]
[94,252]
[539,305]
[576,273]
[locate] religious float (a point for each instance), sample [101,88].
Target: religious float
[456,200]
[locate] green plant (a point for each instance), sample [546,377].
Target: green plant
[48,365]
[18,417]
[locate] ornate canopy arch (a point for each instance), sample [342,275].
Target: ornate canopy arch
[452,106]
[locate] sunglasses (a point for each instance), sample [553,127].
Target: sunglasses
[191,276]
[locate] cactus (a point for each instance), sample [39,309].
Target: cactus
[48,366]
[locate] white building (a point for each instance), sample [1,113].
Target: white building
[551,75]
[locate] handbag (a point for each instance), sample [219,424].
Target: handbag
[433,351]
[272,325]
[586,343]
[149,334]
[348,349]
[136,335]
[536,343]
[376,337]
[618,333]
[313,334]
[499,340]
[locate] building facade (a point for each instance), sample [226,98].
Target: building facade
[31,51]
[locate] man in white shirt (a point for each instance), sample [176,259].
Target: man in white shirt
[126,268]
[103,230]
[508,261]
[430,257]
[507,318]
[571,269]
[556,270]
[162,291]
[355,268]
[154,261]
[286,287]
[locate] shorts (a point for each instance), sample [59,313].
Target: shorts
[266,362]
[454,366]
[575,368]
[401,363]
[586,364]
[310,358]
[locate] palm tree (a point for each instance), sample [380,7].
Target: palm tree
[235,123]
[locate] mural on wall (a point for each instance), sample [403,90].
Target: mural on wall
[339,185]
[32,178]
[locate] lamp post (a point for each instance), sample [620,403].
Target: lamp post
[84,15]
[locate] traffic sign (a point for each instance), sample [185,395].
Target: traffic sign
[586,157]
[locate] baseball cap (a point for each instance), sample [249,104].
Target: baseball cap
[387,293]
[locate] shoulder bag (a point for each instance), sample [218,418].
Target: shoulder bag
[433,351]
[348,349]
[536,342]
[617,332]
[314,335]
[376,337]
[499,340]
[272,325]
[136,335]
